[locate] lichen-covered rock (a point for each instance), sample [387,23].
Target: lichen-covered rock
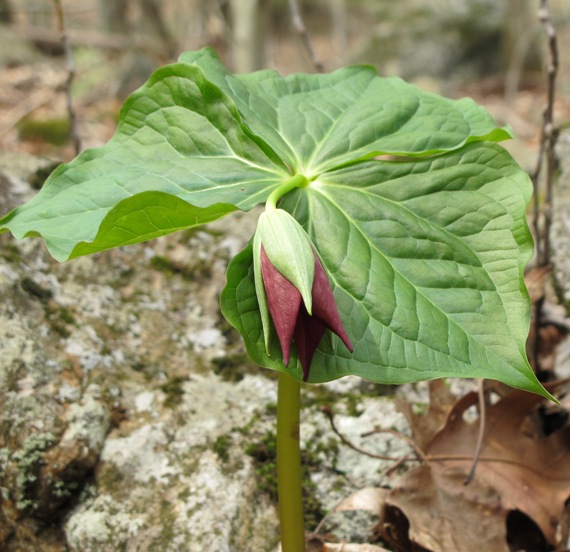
[131,419]
[48,423]
[175,487]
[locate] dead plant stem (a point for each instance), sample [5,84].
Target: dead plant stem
[547,151]
[481,435]
[419,452]
[70,75]
[328,412]
[302,30]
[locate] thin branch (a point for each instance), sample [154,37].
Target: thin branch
[422,457]
[487,459]
[30,103]
[419,452]
[549,131]
[397,464]
[70,75]
[328,412]
[548,138]
[91,38]
[482,418]
[301,29]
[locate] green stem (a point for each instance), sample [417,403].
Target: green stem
[298,181]
[289,487]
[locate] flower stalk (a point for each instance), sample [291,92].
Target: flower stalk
[296,303]
[289,482]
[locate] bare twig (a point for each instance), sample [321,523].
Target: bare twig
[548,139]
[328,412]
[70,75]
[419,452]
[482,417]
[549,136]
[300,28]
[421,456]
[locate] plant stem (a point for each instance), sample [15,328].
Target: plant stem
[289,486]
[298,181]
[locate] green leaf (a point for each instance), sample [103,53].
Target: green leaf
[260,291]
[425,257]
[206,137]
[179,135]
[146,216]
[318,122]
[426,262]
[241,309]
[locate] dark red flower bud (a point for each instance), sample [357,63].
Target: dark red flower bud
[290,317]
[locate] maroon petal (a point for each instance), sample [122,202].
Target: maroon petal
[324,305]
[283,301]
[308,334]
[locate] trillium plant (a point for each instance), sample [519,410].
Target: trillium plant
[392,245]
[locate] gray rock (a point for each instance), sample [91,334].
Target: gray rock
[130,415]
[354,526]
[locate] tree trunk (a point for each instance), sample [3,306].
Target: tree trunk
[340,30]
[5,11]
[113,16]
[153,15]
[249,23]
[520,34]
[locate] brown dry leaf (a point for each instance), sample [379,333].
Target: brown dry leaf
[520,468]
[535,279]
[368,498]
[434,510]
[441,401]
[352,547]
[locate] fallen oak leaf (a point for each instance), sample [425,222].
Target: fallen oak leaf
[431,509]
[353,547]
[530,470]
[368,498]
[521,469]
[424,427]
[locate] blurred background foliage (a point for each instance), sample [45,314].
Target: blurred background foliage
[493,50]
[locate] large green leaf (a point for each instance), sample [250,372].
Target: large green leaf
[425,257]
[317,122]
[178,135]
[206,137]
[426,263]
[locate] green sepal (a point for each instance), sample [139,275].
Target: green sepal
[289,250]
[260,291]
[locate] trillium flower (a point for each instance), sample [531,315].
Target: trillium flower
[293,289]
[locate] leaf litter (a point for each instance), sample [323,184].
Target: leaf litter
[518,499]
